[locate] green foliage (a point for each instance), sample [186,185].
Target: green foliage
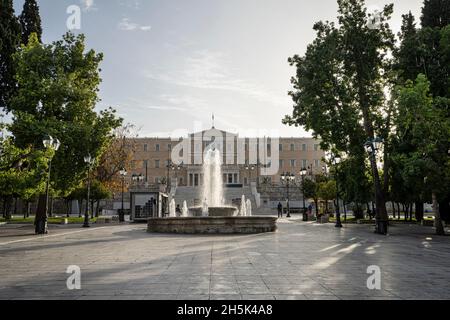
[423,137]
[57,94]
[436,13]
[340,83]
[22,171]
[9,42]
[327,190]
[30,21]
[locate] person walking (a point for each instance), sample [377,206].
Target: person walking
[280,210]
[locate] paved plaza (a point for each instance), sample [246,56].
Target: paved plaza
[300,261]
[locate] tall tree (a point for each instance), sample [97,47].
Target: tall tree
[30,20]
[340,83]
[435,13]
[9,42]
[57,94]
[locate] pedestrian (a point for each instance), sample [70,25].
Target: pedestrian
[280,210]
[178,210]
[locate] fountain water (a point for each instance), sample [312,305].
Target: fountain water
[212,179]
[172,209]
[248,208]
[185,210]
[213,215]
[243,211]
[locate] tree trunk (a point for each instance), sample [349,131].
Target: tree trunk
[40,221]
[398,211]
[316,203]
[80,207]
[437,217]
[28,209]
[419,211]
[444,209]
[67,208]
[393,209]
[92,209]
[411,210]
[406,209]
[50,211]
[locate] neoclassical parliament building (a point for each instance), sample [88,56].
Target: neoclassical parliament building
[248,163]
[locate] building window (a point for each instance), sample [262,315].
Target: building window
[145,163]
[292,147]
[304,147]
[316,163]
[169,147]
[156,163]
[304,163]
[133,164]
[281,163]
[157,148]
[293,163]
[316,147]
[281,147]
[145,147]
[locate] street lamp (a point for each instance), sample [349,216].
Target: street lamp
[249,170]
[138,178]
[303,173]
[372,146]
[41,223]
[89,161]
[287,178]
[337,160]
[123,174]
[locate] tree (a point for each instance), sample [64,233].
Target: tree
[436,13]
[57,94]
[425,51]
[117,156]
[310,191]
[30,20]
[327,192]
[98,192]
[9,42]
[340,83]
[22,172]
[428,131]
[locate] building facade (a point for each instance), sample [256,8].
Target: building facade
[246,160]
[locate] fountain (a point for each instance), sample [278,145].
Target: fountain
[214,215]
[185,210]
[248,209]
[243,211]
[172,209]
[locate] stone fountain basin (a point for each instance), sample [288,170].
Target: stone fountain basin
[214,211]
[213,225]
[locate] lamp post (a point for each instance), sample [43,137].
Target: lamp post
[303,173]
[89,161]
[123,174]
[249,169]
[337,160]
[54,144]
[372,146]
[286,179]
[138,178]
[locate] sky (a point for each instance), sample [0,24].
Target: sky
[169,65]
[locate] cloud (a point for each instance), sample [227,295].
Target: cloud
[88,5]
[126,25]
[208,70]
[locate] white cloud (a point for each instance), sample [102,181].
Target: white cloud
[126,25]
[208,70]
[88,5]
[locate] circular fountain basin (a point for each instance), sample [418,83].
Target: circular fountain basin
[223,211]
[213,225]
